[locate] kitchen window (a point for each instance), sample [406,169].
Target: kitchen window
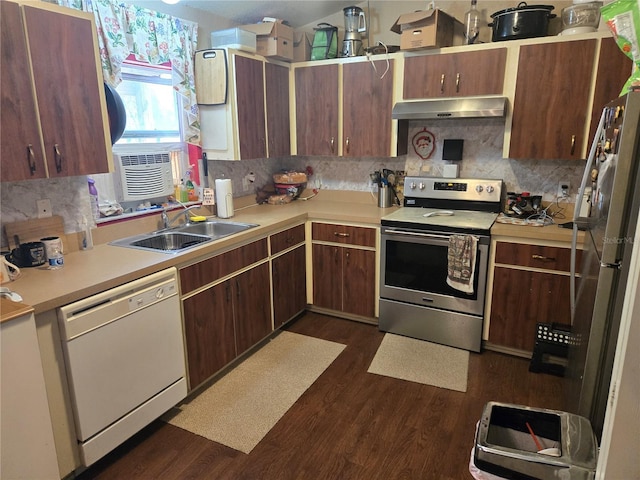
[151,103]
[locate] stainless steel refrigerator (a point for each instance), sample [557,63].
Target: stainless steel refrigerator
[600,280]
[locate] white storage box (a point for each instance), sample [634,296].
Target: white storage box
[234,38]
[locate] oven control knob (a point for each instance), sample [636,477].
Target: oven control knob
[479,189]
[421,186]
[490,189]
[412,185]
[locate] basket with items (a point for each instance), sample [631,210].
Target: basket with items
[287,186]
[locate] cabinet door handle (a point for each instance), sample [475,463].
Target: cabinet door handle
[333,141]
[57,157]
[340,234]
[458,83]
[543,258]
[347,144]
[31,159]
[442,83]
[573,144]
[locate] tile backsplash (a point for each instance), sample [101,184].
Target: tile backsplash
[482,157]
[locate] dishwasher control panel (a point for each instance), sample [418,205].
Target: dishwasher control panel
[103,308]
[154,294]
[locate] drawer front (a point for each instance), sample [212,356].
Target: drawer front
[348,234]
[537,256]
[283,240]
[211,269]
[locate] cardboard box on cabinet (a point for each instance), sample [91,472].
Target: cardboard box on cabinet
[301,47]
[428,29]
[274,39]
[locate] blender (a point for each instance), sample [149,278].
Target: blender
[354,24]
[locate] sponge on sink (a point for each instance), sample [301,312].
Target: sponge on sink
[198,218]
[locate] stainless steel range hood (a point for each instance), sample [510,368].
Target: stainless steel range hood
[467,107]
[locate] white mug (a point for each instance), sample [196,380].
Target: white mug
[54,250]
[8,271]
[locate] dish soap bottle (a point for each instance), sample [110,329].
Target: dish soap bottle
[184,194]
[471,24]
[192,195]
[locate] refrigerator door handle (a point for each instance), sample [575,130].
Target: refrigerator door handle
[615,265]
[586,177]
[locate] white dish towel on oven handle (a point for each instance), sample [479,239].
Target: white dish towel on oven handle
[461,259]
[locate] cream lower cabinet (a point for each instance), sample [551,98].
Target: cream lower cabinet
[28,447]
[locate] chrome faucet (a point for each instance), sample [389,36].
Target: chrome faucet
[186,212]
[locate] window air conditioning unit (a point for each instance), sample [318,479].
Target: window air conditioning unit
[143,176]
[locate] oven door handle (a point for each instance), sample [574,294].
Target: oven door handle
[421,235]
[416,234]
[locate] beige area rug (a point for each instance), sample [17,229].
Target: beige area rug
[422,362]
[241,407]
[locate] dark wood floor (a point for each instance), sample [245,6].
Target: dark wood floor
[349,425]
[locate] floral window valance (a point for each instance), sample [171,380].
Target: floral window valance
[153,37]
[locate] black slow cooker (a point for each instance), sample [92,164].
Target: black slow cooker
[523,21]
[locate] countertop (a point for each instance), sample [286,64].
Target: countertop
[10,310]
[551,233]
[88,272]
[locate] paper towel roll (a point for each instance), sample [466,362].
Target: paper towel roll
[224,197]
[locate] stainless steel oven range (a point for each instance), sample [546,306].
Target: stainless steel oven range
[416,300]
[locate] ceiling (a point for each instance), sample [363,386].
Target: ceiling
[296,13]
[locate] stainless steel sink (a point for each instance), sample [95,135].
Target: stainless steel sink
[181,238]
[215,228]
[164,241]
[171,241]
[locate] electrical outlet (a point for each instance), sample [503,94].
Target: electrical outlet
[44,208]
[248,180]
[564,188]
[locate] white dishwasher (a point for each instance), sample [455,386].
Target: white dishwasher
[125,360]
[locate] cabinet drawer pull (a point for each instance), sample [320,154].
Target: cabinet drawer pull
[543,258]
[458,83]
[573,144]
[442,83]
[57,157]
[31,159]
[340,234]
